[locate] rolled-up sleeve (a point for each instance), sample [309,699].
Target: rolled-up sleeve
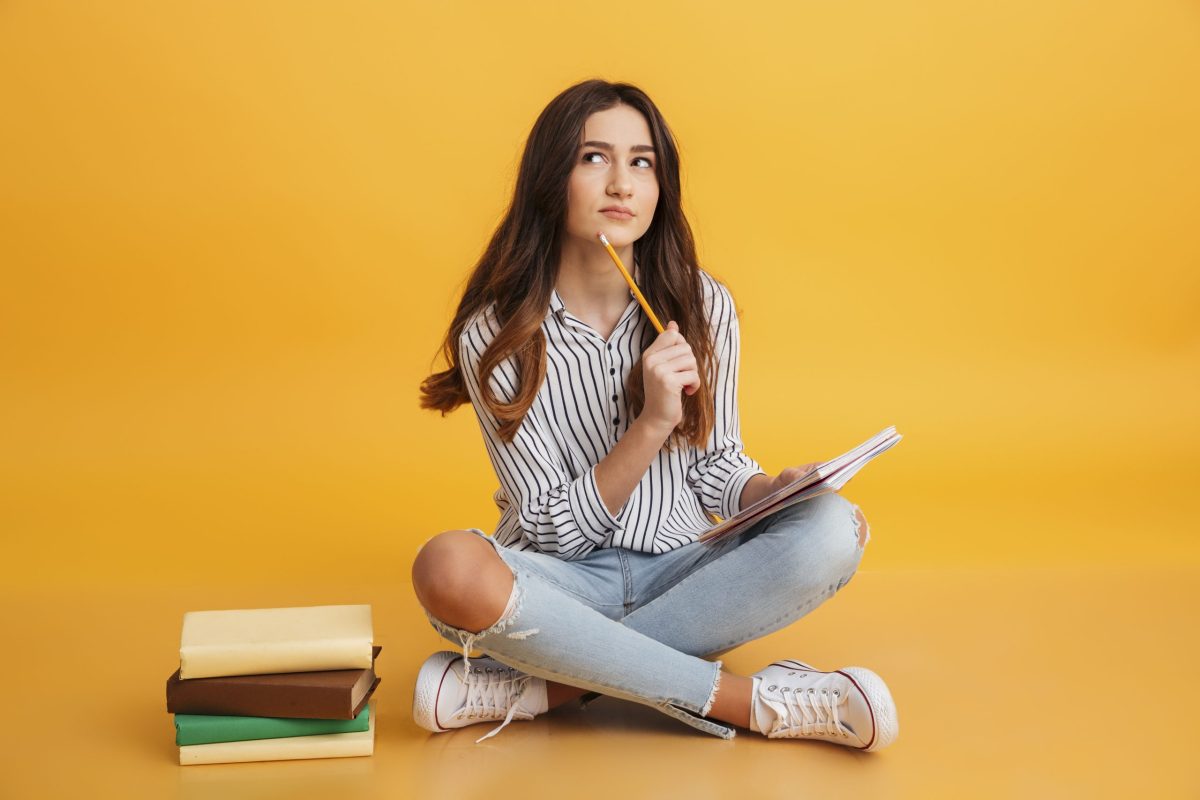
[721,470]
[560,515]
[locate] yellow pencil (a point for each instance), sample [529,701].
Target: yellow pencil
[629,279]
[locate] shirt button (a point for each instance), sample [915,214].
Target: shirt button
[614,397]
[610,347]
[612,371]
[616,420]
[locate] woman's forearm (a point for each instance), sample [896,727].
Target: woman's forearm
[619,472]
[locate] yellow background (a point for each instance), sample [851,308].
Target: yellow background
[233,234]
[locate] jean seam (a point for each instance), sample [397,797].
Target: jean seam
[732,545]
[626,583]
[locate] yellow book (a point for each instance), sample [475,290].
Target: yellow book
[258,641]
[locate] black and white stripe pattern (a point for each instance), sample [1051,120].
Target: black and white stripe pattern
[548,496]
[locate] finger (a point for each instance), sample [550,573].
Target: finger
[668,338]
[664,341]
[666,354]
[681,362]
[674,350]
[789,474]
[673,379]
[668,334]
[796,473]
[676,353]
[679,380]
[672,329]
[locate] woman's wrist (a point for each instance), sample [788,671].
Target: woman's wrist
[653,427]
[758,487]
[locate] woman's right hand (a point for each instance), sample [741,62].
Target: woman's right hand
[668,367]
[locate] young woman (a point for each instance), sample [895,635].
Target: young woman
[615,447]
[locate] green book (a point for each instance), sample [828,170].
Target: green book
[206,728]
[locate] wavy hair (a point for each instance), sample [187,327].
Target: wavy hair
[517,271]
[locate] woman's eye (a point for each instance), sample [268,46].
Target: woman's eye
[587,156]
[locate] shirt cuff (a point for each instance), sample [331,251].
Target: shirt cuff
[731,499]
[592,517]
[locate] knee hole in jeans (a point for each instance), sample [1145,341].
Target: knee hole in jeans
[461,581]
[861,528]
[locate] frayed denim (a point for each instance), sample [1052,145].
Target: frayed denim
[639,626]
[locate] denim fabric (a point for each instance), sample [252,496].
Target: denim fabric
[638,626]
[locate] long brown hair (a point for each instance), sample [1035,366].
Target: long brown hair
[517,271]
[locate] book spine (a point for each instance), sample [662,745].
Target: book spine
[206,729]
[262,700]
[210,661]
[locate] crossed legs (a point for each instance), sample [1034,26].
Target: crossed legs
[461,580]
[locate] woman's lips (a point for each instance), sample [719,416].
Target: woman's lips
[614,214]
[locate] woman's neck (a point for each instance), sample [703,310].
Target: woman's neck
[590,284]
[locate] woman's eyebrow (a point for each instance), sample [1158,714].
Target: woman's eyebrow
[637,148]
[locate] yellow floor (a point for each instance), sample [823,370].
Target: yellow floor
[1010,683]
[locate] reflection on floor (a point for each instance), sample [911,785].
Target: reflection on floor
[1009,683]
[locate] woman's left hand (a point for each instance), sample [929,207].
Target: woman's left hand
[763,485]
[791,475]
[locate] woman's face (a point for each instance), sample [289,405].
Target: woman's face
[614,167]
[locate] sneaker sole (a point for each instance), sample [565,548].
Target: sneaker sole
[429,684]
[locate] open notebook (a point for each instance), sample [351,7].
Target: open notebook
[826,477]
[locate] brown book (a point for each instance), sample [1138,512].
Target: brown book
[327,694]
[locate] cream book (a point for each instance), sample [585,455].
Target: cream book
[257,641]
[322,745]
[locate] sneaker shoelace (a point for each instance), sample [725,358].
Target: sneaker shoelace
[807,712]
[490,692]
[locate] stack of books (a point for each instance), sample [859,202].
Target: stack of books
[274,684]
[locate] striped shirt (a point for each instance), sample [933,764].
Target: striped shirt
[548,497]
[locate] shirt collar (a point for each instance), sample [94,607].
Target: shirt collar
[556,304]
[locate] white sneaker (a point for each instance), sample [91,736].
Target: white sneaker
[452,694]
[850,706]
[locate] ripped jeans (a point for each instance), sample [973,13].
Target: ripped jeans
[638,626]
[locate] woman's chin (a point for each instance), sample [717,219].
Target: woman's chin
[617,238]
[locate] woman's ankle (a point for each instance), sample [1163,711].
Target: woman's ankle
[732,703]
[559,693]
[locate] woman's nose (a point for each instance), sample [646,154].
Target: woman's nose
[619,179]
